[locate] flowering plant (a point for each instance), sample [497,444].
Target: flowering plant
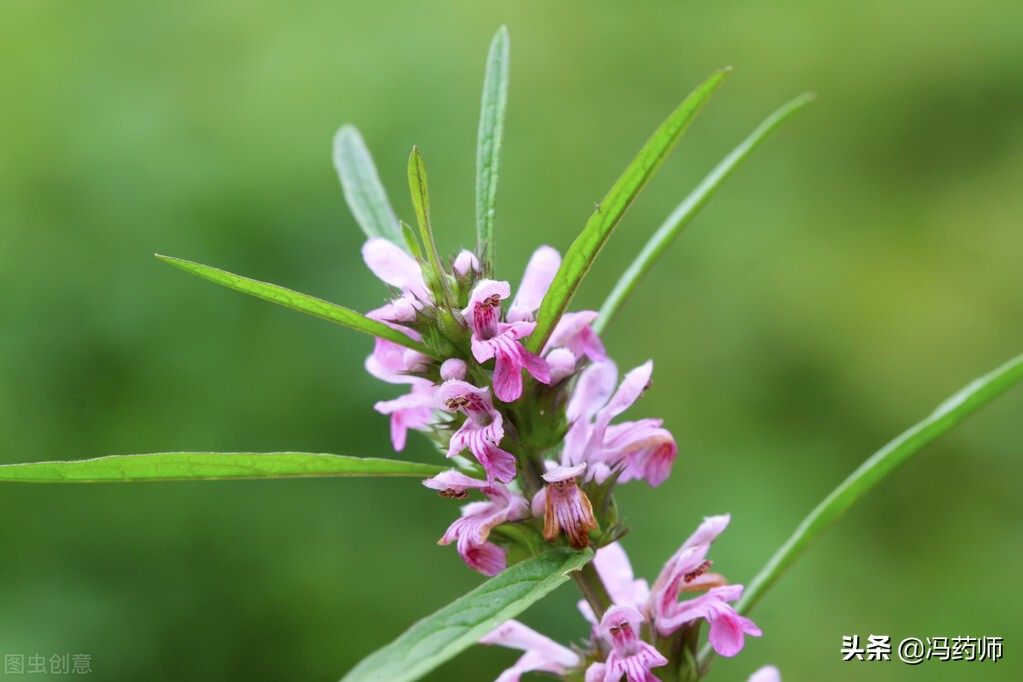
[521,397]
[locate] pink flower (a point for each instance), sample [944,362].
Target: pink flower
[536,280]
[399,365]
[465,263]
[573,332]
[562,364]
[643,449]
[630,656]
[566,507]
[411,411]
[393,363]
[482,431]
[455,484]
[727,628]
[492,338]
[472,530]
[542,653]
[615,570]
[396,267]
[687,571]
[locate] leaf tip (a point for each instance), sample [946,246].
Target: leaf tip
[346,130]
[806,98]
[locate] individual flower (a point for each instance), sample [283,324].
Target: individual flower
[566,508]
[575,333]
[542,653]
[687,571]
[471,532]
[562,363]
[501,341]
[642,449]
[413,410]
[465,263]
[396,267]
[615,570]
[536,280]
[630,656]
[453,368]
[482,430]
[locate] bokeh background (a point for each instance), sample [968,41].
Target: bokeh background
[862,266]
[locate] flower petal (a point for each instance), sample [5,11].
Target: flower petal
[395,267]
[540,272]
[515,635]
[612,563]
[594,388]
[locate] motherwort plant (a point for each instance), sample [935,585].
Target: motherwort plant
[529,413]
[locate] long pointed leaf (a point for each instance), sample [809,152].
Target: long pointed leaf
[488,144]
[186,466]
[362,187]
[690,206]
[584,249]
[419,189]
[303,303]
[460,624]
[875,469]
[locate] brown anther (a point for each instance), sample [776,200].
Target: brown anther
[456,402]
[491,301]
[697,572]
[454,494]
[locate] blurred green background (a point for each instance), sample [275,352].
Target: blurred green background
[862,266]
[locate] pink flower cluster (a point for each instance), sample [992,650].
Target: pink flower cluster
[535,436]
[616,648]
[469,401]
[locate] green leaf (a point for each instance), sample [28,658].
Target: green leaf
[184,466]
[419,189]
[303,303]
[584,249]
[460,624]
[691,205]
[875,469]
[362,188]
[488,144]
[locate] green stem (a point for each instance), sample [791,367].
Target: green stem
[593,589]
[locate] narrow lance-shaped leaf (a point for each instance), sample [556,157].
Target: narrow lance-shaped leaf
[460,624]
[690,206]
[419,189]
[584,249]
[362,187]
[194,466]
[875,469]
[488,144]
[303,303]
